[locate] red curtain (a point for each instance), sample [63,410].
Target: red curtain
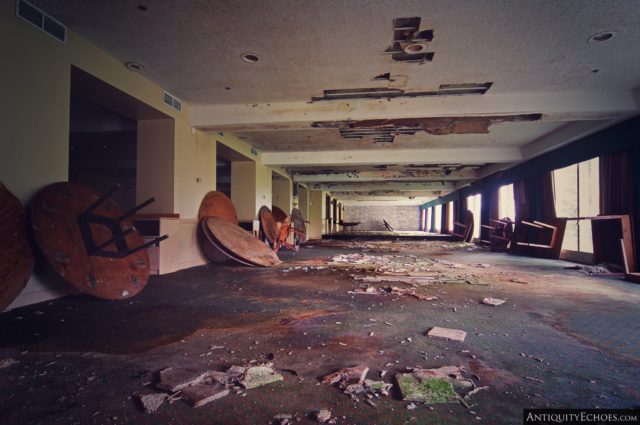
[619,187]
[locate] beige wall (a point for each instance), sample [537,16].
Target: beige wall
[154,173]
[283,194]
[176,162]
[316,212]
[263,187]
[34,151]
[243,189]
[303,202]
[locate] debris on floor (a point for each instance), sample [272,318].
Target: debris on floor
[428,390]
[347,376]
[398,291]
[255,376]
[446,384]
[7,362]
[367,290]
[446,333]
[174,379]
[493,301]
[598,270]
[323,415]
[150,403]
[200,394]
[197,387]
[352,381]
[283,419]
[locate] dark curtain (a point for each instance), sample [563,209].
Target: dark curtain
[619,194]
[432,223]
[443,219]
[534,198]
[485,213]
[456,212]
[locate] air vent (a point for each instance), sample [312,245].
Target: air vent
[381,93]
[41,20]
[173,102]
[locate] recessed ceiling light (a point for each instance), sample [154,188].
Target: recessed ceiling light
[415,48]
[250,57]
[134,66]
[601,37]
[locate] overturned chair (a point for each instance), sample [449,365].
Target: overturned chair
[463,232]
[500,234]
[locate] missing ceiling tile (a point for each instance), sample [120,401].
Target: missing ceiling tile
[383,77]
[410,44]
[385,93]
[385,131]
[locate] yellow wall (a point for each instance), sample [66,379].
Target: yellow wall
[283,194]
[154,171]
[303,201]
[243,189]
[34,151]
[263,186]
[316,213]
[176,163]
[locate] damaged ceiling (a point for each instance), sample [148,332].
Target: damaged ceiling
[431,83]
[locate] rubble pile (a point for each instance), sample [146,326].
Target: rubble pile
[197,387]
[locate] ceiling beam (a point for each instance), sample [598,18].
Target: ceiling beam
[385,200]
[396,156]
[560,106]
[395,186]
[385,193]
[420,175]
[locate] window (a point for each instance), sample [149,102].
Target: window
[577,194]
[506,204]
[438,211]
[474,205]
[450,216]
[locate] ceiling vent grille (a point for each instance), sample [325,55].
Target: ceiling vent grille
[41,20]
[172,102]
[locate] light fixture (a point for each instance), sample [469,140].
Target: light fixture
[601,37]
[250,57]
[415,48]
[134,66]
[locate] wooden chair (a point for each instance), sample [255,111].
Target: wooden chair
[464,231]
[500,234]
[283,235]
[543,229]
[629,275]
[537,238]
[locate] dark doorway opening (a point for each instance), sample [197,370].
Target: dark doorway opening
[103,150]
[223,176]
